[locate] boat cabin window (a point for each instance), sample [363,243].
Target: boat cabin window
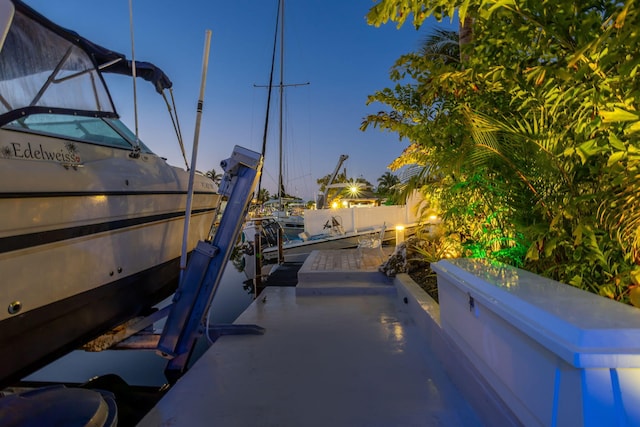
[109,132]
[124,130]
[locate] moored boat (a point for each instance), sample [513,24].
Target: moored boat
[326,229]
[91,220]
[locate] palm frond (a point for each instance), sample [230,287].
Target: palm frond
[441,45]
[619,212]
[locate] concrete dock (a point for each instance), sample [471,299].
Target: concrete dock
[346,347]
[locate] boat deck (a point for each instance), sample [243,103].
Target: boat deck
[340,349]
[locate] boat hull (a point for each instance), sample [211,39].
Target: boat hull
[73,290]
[345,241]
[40,336]
[55,264]
[292,230]
[85,248]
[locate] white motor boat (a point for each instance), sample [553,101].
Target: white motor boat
[287,212]
[91,220]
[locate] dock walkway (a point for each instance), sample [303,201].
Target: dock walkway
[340,349]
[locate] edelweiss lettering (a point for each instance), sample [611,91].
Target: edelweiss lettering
[17,150]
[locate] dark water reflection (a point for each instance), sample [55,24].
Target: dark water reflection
[145,367]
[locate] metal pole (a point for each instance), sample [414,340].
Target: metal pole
[280,243]
[194,154]
[257,280]
[133,74]
[280,183]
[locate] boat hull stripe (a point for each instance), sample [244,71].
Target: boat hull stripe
[31,195]
[24,241]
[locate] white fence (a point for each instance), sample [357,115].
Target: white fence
[361,218]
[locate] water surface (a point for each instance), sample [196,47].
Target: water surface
[145,367]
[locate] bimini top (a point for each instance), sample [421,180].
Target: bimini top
[47,68]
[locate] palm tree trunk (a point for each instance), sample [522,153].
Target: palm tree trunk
[466,36]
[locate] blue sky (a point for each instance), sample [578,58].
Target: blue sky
[327,43]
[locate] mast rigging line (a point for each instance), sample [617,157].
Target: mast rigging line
[173,114]
[266,121]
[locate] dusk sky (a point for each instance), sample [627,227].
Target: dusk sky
[327,43]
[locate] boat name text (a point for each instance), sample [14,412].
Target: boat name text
[20,151]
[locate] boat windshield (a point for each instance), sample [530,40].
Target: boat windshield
[40,71]
[102,131]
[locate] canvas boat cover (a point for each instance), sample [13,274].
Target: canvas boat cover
[41,63]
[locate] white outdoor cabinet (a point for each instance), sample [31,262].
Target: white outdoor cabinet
[556,355]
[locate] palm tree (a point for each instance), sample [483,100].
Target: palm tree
[399,11]
[214,176]
[465,36]
[441,45]
[263,195]
[324,181]
[386,183]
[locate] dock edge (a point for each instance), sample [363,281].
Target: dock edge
[426,312]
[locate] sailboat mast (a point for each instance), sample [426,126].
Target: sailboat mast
[281,88]
[280,184]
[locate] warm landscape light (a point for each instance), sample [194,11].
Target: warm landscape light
[399,234]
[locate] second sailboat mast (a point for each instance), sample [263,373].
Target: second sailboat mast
[280,183]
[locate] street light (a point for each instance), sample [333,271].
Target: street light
[354,188]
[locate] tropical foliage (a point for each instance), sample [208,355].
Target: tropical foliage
[531,134]
[324,181]
[263,196]
[386,184]
[214,176]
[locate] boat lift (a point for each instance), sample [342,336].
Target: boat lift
[322,202]
[206,265]
[186,315]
